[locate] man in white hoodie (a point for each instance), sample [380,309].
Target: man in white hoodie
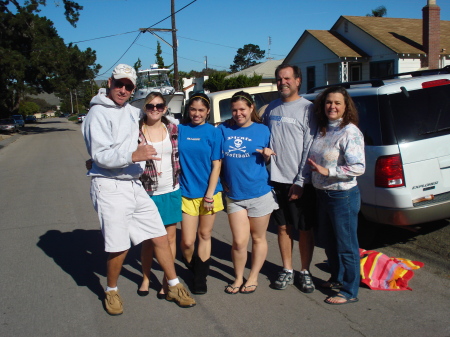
[125,211]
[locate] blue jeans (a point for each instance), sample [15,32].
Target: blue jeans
[338,223]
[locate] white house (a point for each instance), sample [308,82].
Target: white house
[265,69]
[360,48]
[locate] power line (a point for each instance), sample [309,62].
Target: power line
[137,37]
[104,37]
[184,58]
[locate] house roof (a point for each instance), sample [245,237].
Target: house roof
[337,43]
[265,69]
[403,36]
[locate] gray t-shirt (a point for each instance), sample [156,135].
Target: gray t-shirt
[292,128]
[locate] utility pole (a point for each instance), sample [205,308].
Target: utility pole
[175,47]
[174,44]
[71,102]
[206,62]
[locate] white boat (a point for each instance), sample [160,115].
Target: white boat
[156,79]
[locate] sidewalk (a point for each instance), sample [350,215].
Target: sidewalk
[8,139]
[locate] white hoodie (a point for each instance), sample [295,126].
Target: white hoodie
[111,135]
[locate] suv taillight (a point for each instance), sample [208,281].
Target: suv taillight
[435,83]
[389,171]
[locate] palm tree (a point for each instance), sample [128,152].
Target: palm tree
[378,12]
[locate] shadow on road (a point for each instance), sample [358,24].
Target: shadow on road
[374,235]
[42,129]
[81,254]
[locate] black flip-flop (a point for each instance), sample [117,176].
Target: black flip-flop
[347,300]
[231,292]
[242,290]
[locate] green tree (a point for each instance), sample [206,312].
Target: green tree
[137,65]
[217,81]
[72,9]
[378,12]
[33,57]
[43,104]
[246,57]
[159,60]
[28,108]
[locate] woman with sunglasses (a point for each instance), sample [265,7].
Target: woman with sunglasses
[200,157]
[250,199]
[160,179]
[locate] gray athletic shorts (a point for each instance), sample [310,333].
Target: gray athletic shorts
[255,207]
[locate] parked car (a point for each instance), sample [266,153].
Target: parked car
[9,125]
[220,101]
[81,118]
[30,119]
[406,125]
[19,119]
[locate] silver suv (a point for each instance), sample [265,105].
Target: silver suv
[405,120]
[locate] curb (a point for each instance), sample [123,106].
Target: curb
[7,141]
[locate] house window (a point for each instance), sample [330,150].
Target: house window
[355,72]
[382,68]
[310,77]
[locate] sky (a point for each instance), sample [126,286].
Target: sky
[211,30]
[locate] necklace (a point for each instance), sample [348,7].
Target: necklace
[149,139]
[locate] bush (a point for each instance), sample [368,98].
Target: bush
[218,82]
[28,108]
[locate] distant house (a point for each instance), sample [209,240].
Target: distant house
[264,69]
[360,48]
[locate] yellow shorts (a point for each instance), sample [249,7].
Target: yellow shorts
[195,207]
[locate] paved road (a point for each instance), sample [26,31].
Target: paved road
[53,268]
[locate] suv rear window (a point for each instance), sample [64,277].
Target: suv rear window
[260,100]
[369,120]
[424,114]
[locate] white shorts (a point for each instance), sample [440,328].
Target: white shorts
[126,213]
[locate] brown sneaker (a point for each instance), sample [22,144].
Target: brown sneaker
[113,302]
[180,296]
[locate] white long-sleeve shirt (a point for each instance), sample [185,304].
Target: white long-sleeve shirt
[341,151]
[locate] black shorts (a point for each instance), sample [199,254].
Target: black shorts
[300,213]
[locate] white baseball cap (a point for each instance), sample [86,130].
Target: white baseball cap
[124,71]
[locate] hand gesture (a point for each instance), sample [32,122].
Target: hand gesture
[267,153]
[295,192]
[144,152]
[317,168]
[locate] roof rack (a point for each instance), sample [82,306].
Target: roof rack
[347,85]
[378,82]
[445,70]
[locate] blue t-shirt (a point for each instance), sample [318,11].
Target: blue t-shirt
[244,169]
[198,146]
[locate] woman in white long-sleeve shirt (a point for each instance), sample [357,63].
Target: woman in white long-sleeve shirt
[336,159]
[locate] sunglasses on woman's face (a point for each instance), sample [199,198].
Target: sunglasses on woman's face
[159,106]
[119,85]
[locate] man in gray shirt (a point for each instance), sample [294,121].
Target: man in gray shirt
[292,125]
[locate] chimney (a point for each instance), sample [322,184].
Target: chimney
[431,36]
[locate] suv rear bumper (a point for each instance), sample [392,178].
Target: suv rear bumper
[427,211]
